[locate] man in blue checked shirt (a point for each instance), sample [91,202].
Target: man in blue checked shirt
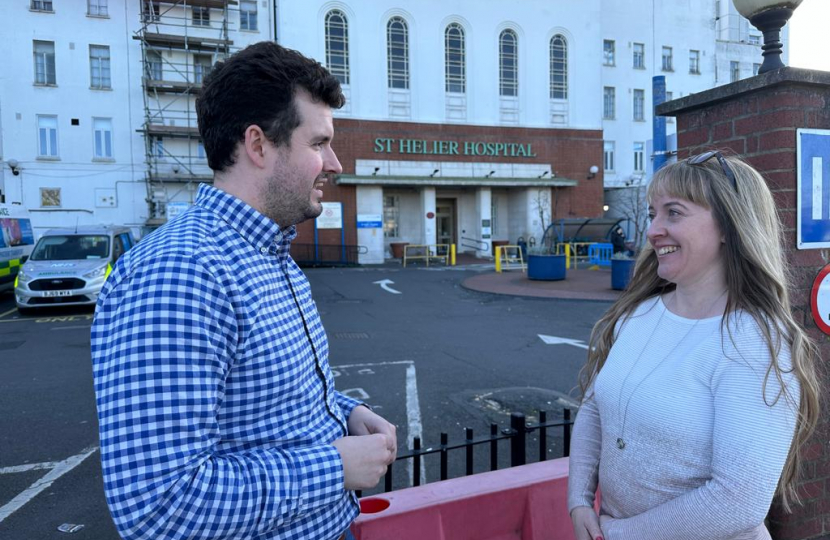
[217,409]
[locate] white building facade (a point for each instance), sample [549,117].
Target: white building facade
[464,118]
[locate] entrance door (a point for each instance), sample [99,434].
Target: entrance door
[445,221]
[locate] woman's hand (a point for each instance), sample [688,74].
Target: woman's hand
[586,523]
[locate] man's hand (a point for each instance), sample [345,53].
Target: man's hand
[362,421]
[586,523]
[365,459]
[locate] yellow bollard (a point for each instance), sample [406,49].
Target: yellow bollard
[498,259]
[568,256]
[452,254]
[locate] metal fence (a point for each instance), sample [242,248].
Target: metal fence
[517,435]
[326,255]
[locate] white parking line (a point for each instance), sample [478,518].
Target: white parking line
[28,467]
[32,491]
[413,408]
[8,312]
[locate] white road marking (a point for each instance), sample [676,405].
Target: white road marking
[554,340]
[355,393]
[28,467]
[413,417]
[413,408]
[12,310]
[32,491]
[384,284]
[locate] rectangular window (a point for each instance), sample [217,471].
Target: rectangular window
[754,39]
[247,15]
[639,56]
[391,216]
[639,105]
[608,52]
[669,97]
[158,147]
[756,68]
[151,11]
[202,64]
[734,71]
[639,157]
[41,5]
[201,16]
[608,155]
[609,103]
[44,52]
[97,8]
[694,62]
[99,66]
[668,64]
[102,137]
[47,136]
[153,66]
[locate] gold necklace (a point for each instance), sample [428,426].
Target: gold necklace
[621,438]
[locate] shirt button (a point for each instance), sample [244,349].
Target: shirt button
[263,250]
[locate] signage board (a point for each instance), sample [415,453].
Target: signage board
[369,221]
[820,300]
[813,188]
[331,217]
[176,208]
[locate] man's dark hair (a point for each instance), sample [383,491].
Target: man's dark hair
[256,86]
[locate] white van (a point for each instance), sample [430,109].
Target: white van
[69,266]
[16,242]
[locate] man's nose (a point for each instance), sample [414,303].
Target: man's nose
[332,164]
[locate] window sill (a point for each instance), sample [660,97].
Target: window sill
[694,73]
[609,117]
[103,160]
[254,31]
[45,85]
[97,16]
[667,70]
[609,65]
[639,120]
[643,68]
[101,88]
[52,11]
[48,158]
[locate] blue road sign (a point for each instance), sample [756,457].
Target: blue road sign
[813,169]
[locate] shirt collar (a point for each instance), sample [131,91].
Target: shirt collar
[261,232]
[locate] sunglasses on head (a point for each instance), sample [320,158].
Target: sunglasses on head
[706,156]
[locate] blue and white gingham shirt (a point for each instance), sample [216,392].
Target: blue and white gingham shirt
[216,404]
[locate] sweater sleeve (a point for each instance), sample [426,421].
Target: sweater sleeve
[752,434]
[586,445]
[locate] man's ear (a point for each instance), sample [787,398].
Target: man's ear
[255,145]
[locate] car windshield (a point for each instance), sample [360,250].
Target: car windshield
[71,247]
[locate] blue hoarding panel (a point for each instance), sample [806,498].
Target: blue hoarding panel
[813,171]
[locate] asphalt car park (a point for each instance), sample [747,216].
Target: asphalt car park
[432,357]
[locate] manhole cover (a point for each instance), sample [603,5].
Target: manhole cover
[351,335]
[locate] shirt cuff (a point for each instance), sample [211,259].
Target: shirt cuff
[320,476]
[347,404]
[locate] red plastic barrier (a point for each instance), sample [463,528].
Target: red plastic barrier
[527,503]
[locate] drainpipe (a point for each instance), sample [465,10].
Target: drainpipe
[658,92]
[276,2]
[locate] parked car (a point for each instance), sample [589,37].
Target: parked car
[69,266]
[16,242]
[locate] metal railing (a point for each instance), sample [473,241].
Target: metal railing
[517,435]
[474,243]
[426,252]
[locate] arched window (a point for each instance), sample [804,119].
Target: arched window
[397,52]
[337,45]
[558,67]
[455,59]
[508,63]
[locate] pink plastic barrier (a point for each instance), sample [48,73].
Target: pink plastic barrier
[527,502]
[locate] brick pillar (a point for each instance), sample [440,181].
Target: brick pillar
[757,119]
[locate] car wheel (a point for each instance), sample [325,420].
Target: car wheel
[25,311]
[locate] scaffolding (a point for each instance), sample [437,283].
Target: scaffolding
[180,42]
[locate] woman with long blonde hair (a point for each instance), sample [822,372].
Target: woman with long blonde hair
[700,387]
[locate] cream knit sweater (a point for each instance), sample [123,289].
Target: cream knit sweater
[703,451]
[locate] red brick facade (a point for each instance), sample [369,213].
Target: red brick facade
[568,152]
[757,119]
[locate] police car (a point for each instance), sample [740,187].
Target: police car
[69,266]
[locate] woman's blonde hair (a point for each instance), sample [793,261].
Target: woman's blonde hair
[756,278]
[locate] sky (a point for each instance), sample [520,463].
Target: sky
[808,31]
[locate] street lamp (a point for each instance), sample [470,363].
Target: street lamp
[14,166]
[768,16]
